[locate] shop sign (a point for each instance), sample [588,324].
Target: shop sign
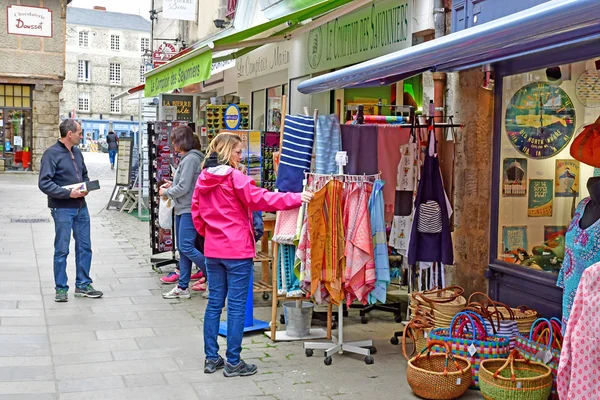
[121,127]
[193,70]
[163,54]
[233,117]
[180,9]
[183,104]
[362,35]
[265,60]
[29,21]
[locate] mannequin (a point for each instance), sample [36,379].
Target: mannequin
[592,210]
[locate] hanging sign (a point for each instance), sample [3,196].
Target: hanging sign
[29,21]
[180,9]
[233,117]
[163,54]
[193,70]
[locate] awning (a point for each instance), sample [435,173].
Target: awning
[550,25]
[193,66]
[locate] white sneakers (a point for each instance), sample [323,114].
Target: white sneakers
[177,293]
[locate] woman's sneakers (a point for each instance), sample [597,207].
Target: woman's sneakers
[200,286]
[177,293]
[241,369]
[210,366]
[196,276]
[172,277]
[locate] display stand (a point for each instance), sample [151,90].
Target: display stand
[363,347]
[123,180]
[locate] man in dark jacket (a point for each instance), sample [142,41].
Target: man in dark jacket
[112,140]
[63,165]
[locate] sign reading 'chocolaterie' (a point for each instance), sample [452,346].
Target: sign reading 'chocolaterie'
[29,21]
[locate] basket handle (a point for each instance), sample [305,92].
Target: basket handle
[449,355]
[510,361]
[416,323]
[539,323]
[458,291]
[511,313]
[469,315]
[419,296]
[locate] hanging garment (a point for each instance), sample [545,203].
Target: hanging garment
[285,226]
[380,248]
[579,368]
[582,249]
[389,139]
[326,240]
[328,142]
[360,262]
[428,241]
[360,144]
[287,282]
[296,152]
[407,182]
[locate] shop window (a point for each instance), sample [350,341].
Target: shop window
[115,42]
[83,71]
[540,183]
[144,44]
[274,108]
[258,109]
[17,96]
[115,73]
[115,104]
[83,102]
[84,39]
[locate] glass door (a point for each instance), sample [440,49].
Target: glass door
[17,139]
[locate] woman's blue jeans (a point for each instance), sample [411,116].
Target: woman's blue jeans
[228,279]
[111,156]
[188,253]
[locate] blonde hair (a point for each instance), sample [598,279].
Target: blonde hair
[223,144]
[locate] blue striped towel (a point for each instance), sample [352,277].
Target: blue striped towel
[296,152]
[329,142]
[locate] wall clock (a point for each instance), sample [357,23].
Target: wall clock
[540,120]
[587,88]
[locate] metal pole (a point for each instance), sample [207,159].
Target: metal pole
[140,157]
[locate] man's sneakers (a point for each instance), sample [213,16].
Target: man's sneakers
[62,296]
[88,291]
[210,366]
[172,277]
[177,293]
[241,369]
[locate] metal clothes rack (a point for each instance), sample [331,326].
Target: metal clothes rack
[364,347]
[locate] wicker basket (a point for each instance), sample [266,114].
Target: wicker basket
[441,319]
[524,381]
[448,300]
[438,376]
[524,316]
[417,330]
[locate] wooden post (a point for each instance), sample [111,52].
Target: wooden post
[274,293]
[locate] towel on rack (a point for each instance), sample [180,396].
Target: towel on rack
[389,140]
[360,144]
[328,142]
[380,248]
[287,281]
[285,226]
[296,152]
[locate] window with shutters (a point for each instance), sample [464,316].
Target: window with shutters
[83,71]
[115,73]
[83,102]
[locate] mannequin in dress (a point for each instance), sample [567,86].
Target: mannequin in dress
[592,210]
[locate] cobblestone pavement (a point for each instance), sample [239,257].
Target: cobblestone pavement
[133,344]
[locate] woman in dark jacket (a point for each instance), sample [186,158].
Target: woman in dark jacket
[112,140]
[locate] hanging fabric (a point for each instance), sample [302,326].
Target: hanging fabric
[389,140]
[296,152]
[427,243]
[328,141]
[285,226]
[360,144]
[380,249]
[288,282]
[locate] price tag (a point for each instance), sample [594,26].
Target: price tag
[519,385]
[472,349]
[547,357]
[458,381]
[425,335]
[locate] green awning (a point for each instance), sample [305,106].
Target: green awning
[195,66]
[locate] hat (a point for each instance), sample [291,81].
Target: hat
[586,146]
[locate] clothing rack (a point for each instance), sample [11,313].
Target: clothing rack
[364,347]
[403,110]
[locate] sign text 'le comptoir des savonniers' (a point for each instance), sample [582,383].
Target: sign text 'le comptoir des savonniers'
[194,70]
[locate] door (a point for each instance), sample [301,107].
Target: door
[17,139]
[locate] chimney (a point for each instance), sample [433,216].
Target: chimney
[99,8]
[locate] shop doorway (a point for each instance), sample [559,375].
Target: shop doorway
[15,127]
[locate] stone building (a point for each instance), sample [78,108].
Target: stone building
[32,49]
[103,58]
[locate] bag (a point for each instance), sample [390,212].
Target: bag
[258,224]
[586,146]
[543,347]
[475,346]
[165,213]
[495,321]
[430,217]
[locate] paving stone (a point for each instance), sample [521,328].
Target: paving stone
[146,354]
[180,330]
[40,361]
[17,339]
[25,350]
[27,387]
[90,384]
[71,337]
[72,359]
[165,322]
[92,318]
[188,342]
[183,391]
[124,333]
[30,304]
[94,326]
[240,387]
[114,368]
[27,321]
[98,346]
[8,304]
[155,379]
[29,396]
[29,373]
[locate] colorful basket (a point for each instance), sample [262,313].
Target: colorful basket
[486,346]
[543,345]
[495,320]
[441,376]
[525,381]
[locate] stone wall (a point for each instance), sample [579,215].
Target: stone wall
[45,120]
[472,106]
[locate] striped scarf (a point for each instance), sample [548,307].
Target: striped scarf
[296,152]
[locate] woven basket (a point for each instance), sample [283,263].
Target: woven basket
[524,316]
[417,330]
[524,381]
[448,300]
[438,376]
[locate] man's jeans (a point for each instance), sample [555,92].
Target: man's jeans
[76,220]
[111,156]
[227,278]
[188,253]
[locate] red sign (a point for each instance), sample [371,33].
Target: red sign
[163,54]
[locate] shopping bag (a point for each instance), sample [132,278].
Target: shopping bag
[496,321]
[543,345]
[476,345]
[165,213]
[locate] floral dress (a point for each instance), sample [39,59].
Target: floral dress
[582,251]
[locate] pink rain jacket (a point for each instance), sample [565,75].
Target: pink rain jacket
[222,206]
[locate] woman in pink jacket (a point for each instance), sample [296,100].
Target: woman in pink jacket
[222,207]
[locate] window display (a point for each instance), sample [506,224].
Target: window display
[541,183]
